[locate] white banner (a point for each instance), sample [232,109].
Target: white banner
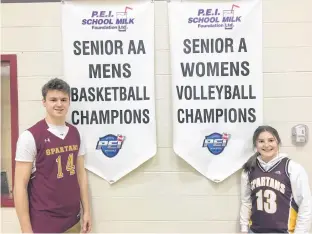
[109,63]
[216,61]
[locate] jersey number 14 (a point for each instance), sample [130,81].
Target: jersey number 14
[70,167]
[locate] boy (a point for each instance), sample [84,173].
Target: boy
[50,178]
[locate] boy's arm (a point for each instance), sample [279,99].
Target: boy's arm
[84,194]
[24,158]
[21,178]
[83,184]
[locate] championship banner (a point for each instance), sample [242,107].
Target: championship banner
[109,62]
[216,62]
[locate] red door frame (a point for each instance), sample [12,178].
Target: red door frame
[12,60]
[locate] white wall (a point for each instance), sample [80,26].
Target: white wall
[165,194]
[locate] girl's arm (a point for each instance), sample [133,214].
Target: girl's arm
[245,208]
[302,196]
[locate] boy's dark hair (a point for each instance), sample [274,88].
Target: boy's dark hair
[55,84]
[251,163]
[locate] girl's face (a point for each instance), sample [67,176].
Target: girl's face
[267,146]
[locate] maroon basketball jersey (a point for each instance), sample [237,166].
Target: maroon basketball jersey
[54,194]
[273,207]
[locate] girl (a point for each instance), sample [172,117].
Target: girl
[275,192]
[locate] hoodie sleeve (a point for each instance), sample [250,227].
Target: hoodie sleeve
[302,196]
[245,208]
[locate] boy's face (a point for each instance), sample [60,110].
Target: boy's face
[56,104]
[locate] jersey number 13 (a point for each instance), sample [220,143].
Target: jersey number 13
[266,201]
